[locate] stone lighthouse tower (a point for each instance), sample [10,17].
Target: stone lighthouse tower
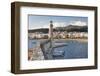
[51,33]
[51,30]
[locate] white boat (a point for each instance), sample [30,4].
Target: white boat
[57,51]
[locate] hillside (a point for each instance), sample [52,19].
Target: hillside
[70,28]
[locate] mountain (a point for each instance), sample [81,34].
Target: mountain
[70,28]
[44,30]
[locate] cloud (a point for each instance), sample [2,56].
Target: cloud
[78,23]
[39,26]
[59,24]
[45,26]
[55,24]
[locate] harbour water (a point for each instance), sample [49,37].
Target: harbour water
[74,49]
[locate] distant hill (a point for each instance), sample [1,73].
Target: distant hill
[44,30]
[70,28]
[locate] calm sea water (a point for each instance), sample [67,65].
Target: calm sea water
[74,49]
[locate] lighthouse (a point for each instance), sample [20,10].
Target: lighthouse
[51,33]
[51,30]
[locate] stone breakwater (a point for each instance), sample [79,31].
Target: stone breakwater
[35,54]
[41,51]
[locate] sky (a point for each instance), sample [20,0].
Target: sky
[41,21]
